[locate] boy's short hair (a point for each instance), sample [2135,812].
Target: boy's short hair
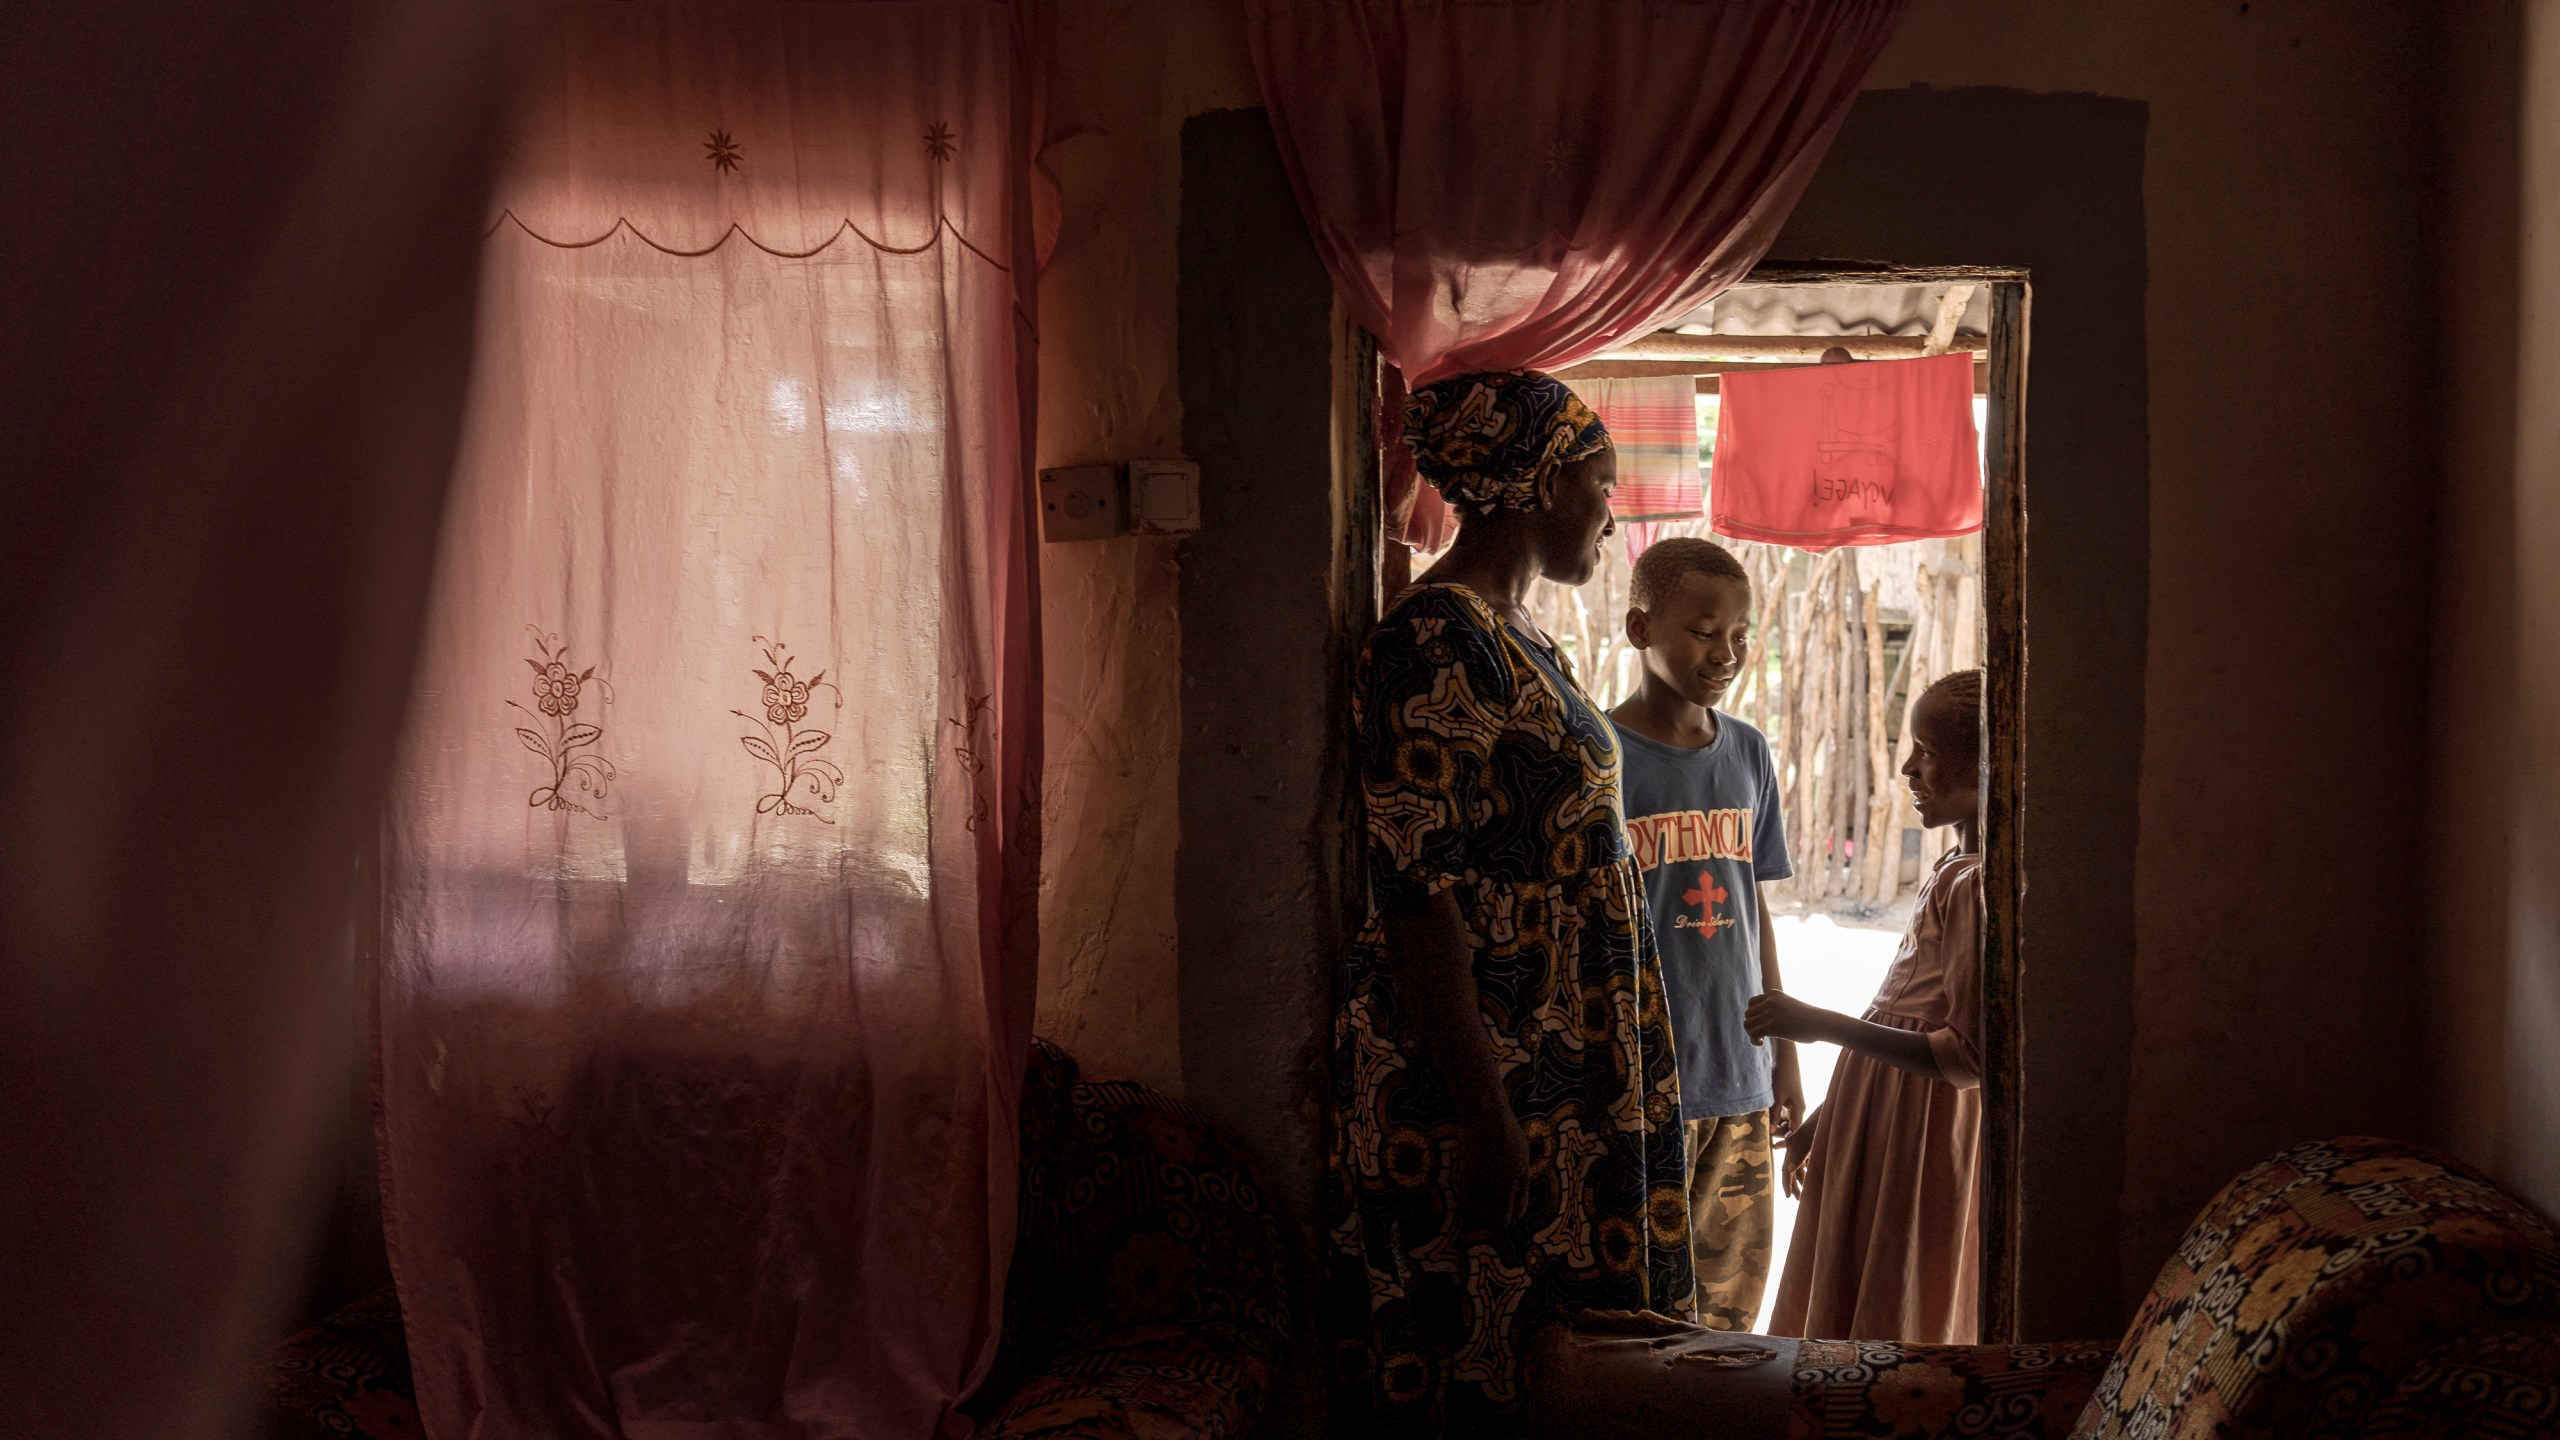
[1961,692]
[1665,563]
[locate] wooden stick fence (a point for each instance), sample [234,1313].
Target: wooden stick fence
[1845,640]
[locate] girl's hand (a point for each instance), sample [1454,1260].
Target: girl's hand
[1799,1150]
[1775,1012]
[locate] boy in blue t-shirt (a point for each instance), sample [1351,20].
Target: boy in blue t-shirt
[1702,814]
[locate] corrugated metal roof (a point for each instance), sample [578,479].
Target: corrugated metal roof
[1886,309]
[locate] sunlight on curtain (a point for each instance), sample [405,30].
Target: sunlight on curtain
[1526,184]
[702,949]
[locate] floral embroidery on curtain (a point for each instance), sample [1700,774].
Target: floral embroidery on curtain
[789,749]
[698,1106]
[557,692]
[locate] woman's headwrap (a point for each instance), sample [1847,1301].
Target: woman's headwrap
[1484,441]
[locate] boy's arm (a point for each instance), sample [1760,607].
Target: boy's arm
[1786,1112]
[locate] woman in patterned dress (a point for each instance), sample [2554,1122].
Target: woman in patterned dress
[1505,1102]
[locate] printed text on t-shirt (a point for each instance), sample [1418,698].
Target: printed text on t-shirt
[1690,835]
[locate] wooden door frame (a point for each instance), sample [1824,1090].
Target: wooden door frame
[1362,586]
[2004,779]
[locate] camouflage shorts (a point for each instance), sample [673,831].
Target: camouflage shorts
[1733,1216]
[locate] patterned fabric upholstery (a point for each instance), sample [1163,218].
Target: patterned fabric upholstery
[347,1375]
[2504,1385]
[1146,1297]
[1856,1389]
[2346,1288]
[2341,1282]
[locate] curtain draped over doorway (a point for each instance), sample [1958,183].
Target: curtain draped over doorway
[707,937]
[1496,186]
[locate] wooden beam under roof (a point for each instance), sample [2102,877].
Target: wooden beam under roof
[1782,349]
[1706,371]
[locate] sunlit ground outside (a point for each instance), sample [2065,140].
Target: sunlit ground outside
[1838,967]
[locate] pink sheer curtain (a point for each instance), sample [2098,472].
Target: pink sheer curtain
[233,346]
[1498,185]
[706,960]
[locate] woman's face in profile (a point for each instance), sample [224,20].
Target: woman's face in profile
[1576,520]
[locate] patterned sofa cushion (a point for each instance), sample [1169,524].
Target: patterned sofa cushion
[1143,1237]
[2503,1385]
[346,1376]
[2318,1284]
[1142,1383]
[1884,1389]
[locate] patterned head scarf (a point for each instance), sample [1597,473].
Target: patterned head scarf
[1486,440]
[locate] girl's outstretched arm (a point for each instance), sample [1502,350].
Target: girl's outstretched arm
[1777,1013]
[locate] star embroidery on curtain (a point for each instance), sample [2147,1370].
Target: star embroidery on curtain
[724,152]
[941,143]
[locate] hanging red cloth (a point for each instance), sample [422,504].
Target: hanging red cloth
[1862,454]
[1524,185]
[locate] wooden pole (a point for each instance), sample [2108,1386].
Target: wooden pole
[1834,661]
[1935,843]
[1879,763]
[1772,563]
[1852,751]
[2001,554]
[1803,722]
[1893,802]
[1797,765]
[1849,743]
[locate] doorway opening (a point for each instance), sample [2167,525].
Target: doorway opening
[1846,639]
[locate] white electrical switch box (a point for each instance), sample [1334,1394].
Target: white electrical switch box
[1082,502]
[1164,497]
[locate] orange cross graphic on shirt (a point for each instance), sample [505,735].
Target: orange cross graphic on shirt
[1706,897]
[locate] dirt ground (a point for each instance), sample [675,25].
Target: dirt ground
[1836,962]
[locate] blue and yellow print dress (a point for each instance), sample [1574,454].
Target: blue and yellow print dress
[1487,770]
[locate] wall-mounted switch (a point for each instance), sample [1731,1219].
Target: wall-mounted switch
[1082,502]
[1164,497]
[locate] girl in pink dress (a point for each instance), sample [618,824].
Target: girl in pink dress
[1887,1170]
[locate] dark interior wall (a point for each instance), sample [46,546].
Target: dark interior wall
[2528,1042]
[2280,917]
[2470,764]
[2277,914]
[2054,183]
[1255,877]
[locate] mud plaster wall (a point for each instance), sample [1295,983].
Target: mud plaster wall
[2495,760]
[2471,694]
[2528,1149]
[1127,74]
[2276,934]
[1263,745]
